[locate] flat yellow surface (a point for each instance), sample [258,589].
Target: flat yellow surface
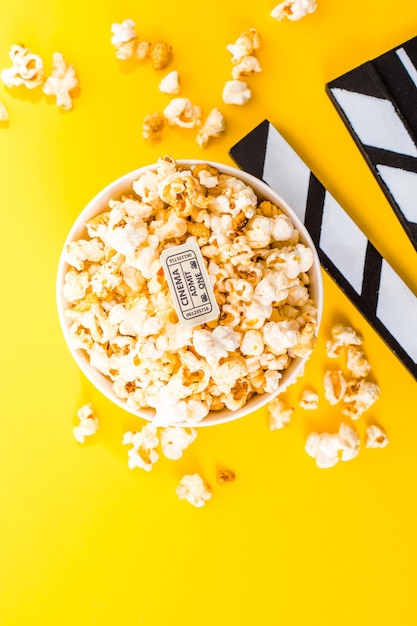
[83,539]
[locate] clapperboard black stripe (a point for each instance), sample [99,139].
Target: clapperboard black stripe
[345,252]
[377,101]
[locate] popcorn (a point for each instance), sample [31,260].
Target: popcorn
[174,440]
[224,476]
[279,413]
[356,362]
[181,112]
[248,65]
[236,92]
[309,400]
[121,312]
[63,80]
[335,386]
[213,126]
[143,452]
[327,449]
[245,45]
[193,489]
[342,337]
[293,9]
[376,437]
[88,425]
[170,83]
[4,116]
[124,39]
[160,54]
[27,69]
[359,397]
[152,126]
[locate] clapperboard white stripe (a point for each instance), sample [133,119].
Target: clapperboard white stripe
[378,103]
[344,250]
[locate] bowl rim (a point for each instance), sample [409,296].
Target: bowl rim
[98,203]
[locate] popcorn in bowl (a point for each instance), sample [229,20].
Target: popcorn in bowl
[189,293]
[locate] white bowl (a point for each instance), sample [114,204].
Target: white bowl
[99,204]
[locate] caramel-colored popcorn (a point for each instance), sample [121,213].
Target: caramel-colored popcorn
[225,476]
[152,126]
[160,54]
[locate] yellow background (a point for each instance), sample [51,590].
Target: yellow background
[83,539]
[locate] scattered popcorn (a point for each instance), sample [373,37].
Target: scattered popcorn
[356,362]
[63,80]
[335,386]
[175,439]
[143,452]
[193,489]
[236,92]
[248,65]
[245,45]
[160,54]
[27,69]
[125,40]
[152,126]
[88,423]
[342,337]
[309,400]
[214,126]
[376,437]
[360,395]
[181,112]
[170,83]
[327,449]
[4,116]
[279,413]
[224,476]
[120,309]
[293,9]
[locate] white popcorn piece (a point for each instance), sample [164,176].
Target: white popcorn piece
[376,437]
[327,449]
[245,45]
[4,116]
[175,439]
[181,112]
[349,442]
[88,423]
[216,344]
[248,65]
[309,400]
[143,452]
[335,386]
[252,343]
[194,489]
[236,92]
[342,337]
[27,69]
[293,9]
[279,413]
[356,362]
[62,82]
[360,395]
[124,38]
[214,126]
[170,83]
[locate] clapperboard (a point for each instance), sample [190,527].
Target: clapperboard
[345,252]
[378,103]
